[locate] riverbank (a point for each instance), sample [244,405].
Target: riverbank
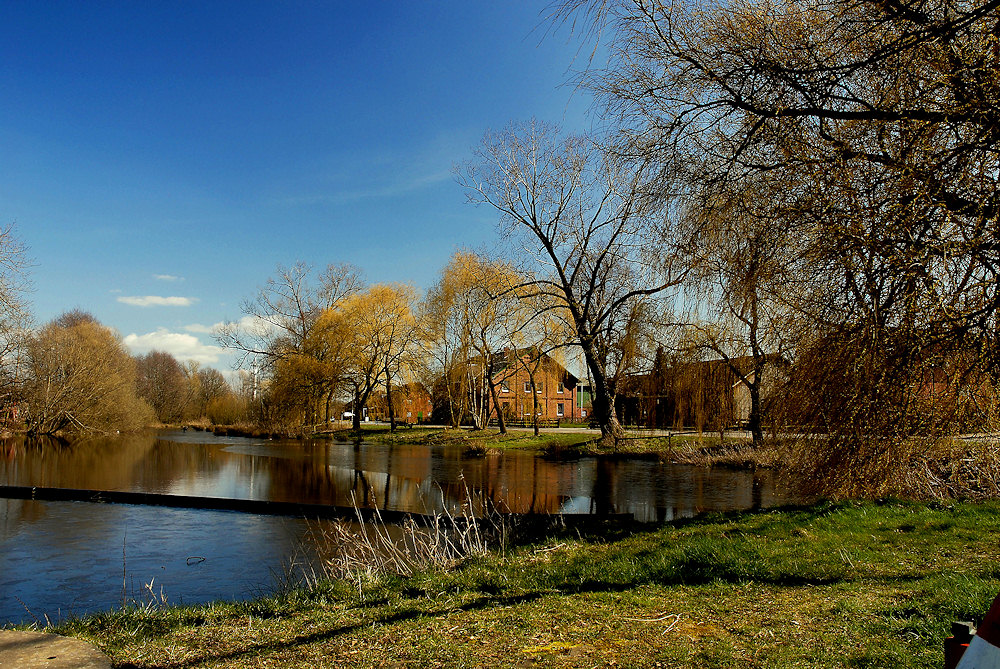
[960,467]
[832,585]
[734,450]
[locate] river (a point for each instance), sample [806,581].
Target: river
[59,559]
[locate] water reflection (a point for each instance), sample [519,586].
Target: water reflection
[60,557]
[413,478]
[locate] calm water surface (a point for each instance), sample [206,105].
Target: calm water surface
[65,558]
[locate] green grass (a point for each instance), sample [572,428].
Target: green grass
[475,441]
[694,449]
[831,585]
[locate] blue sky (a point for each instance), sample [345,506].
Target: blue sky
[182,150]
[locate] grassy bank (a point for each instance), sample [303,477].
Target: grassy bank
[694,449]
[834,585]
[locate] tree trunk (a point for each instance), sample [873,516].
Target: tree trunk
[356,419]
[753,420]
[451,401]
[496,405]
[388,401]
[603,402]
[534,404]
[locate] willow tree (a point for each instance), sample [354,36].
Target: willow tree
[476,305]
[744,244]
[445,343]
[888,110]
[277,337]
[381,341]
[579,222]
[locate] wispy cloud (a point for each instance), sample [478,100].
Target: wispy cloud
[250,324]
[388,174]
[167,277]
[178,344]
[157,301]
[395,189]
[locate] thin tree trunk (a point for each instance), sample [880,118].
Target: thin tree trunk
[388,401]
[496,405]
[356,419]
[753,420]
[534,404]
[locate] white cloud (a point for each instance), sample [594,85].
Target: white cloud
[158,301]
[181,346]
[167,277]
[250,324]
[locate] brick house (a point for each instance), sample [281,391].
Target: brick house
[554,388]
[411,403]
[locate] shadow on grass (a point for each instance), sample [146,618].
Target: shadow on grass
[256,650]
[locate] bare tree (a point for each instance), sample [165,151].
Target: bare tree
[160,380]
[278,334]
[280,317]
[580,220]
[884,115]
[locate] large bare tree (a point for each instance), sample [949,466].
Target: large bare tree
[845,94]
[578,220]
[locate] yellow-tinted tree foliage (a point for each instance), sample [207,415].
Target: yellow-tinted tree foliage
[81,378]
[287,348]
[381,343]
[306,377]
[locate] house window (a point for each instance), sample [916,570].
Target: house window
[504,388]
[540,386]
[560,388]
[559,409]
[527,386]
